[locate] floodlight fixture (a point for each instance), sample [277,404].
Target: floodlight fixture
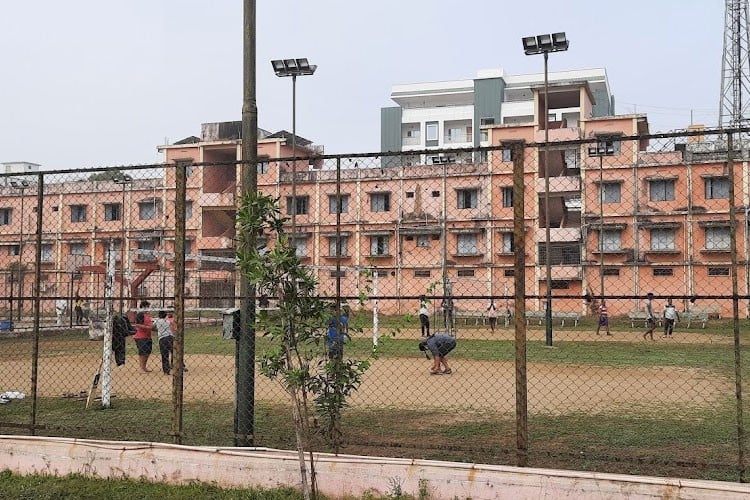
[543,44]
[293,67]
[19,183]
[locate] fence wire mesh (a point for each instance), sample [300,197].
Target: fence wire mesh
[636,299]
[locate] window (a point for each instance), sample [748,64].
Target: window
[507,154]
[148,210]
[611,271]
[718,271]
[507,197]
[717,188]
[465,273]
[509,273]
[410,194]
[423,240]
[300,206]
[468,198]
[488,120]
[263,166]
[14,249]
[47,253]
[78,213]
[507,243]
[560,285]
[662,239]
[467,244]
[146,250]
[610,192]
[422,274]
[77,249]
[188,246]
[300,246]
[343,206]
[663,271]
[717,238]
[431,133]
[6,216]
[337,274]
[661,190]
[337,248]
[379,245]
[561,254]
[609,240]
[435,194]
[380,202]
[112,211]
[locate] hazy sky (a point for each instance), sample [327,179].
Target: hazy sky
[87,83]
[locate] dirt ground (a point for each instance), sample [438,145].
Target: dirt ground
[406,383]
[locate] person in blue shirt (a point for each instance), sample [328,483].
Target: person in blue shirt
[336,336]
[439,345]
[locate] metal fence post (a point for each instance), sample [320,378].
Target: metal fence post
[519,292]
[179,301]
[37,301]
[735,309]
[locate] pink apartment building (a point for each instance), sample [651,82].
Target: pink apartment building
[662,226]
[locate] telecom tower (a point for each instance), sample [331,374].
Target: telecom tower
[735,66]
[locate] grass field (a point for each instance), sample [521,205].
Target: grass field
[670,418]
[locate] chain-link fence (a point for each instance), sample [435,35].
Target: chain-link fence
[598,291]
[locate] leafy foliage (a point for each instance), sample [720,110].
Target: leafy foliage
[297,328]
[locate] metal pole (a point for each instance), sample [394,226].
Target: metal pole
[107,344]
[245,347]
[601,227]
[37,301]
[548,312]
[519,292]
[736,313]
[294,155]
[20,259]
[122,251]
[179,302]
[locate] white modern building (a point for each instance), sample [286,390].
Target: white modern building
[450,114]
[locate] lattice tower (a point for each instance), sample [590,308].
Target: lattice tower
[735,66]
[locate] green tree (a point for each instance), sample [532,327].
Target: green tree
[316,385]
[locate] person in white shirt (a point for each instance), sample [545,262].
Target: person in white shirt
[424,316]
[670,316]
[492,316]
[163,327]
[60,307]
[650,318]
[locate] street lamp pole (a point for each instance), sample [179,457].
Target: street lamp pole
[22,185]
[293,68]
[122,179]
[532,45]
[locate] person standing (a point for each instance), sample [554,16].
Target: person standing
[670,315]
[492,316]
[143,327]
[424,316]
[603,317]
[78,307]
[335,338]
[60,307]
[447,306]
[650,318]
[165,333]
[439,345]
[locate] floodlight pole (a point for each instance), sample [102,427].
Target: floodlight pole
[20,255]
[544,44]
[547,245]
[601,223]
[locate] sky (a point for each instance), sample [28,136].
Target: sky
[92,83]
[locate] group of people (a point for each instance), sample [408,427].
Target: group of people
[670,316]
[80,308]
[164,327]
[446,306]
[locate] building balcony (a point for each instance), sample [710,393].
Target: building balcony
[559,234]
[561,184]
[565,272]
